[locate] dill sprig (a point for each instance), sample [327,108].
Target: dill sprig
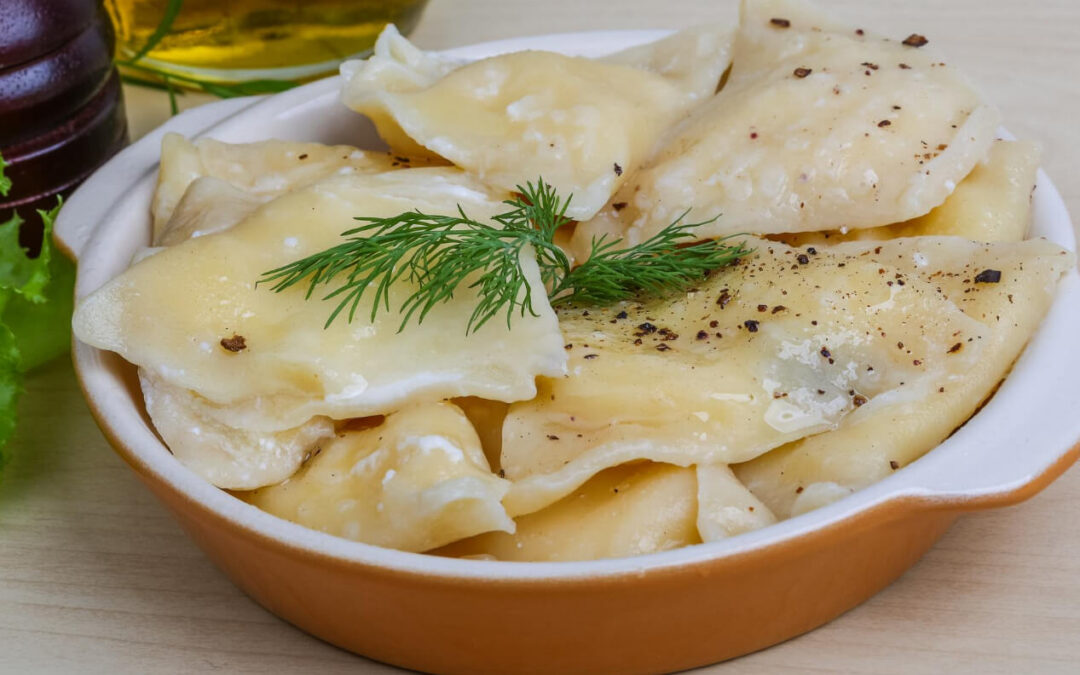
[438,254]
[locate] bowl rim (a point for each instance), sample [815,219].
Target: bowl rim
[920,485]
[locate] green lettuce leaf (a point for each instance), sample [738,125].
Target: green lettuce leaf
[38,313]
[35,313]
[10,388]
[25,276]
[5,182]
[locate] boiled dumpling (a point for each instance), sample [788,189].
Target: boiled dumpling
[227,456]
[623,511]
[417,481]
[693,59]
[725,507]
[209,205]
[818,127]
[1006,287]
[581,124]
[781,346]
[265,168]
[992,204]
[396,66]
[192,316]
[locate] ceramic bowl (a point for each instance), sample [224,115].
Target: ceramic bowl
[661,612]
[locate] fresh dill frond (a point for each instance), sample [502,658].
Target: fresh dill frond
[664,263]
[439,254]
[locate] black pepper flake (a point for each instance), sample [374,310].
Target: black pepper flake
[860,31]
[234,344]
[724,299]
[619,206]
[780,23]
[762,308]
[915,40]
[988,277]
[778,308]
[569,346]
[662,347]
[826,353]
[893,464]
[618,169]
[647,328]
[955,348]
[753,134]
[502,473]
[871,66]
[858,400]
[802,72]
[552,437]
[884,123]
[637,341]
[751,325]
[904,66]
[811,250]
[621,315]
[702,335]
[592,356]
[799,490]
[803,259]
[303,156]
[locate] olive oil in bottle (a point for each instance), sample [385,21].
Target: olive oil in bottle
[234,40]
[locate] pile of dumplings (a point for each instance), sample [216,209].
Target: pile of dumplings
[890,288]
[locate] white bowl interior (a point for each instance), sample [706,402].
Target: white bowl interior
[1023,430]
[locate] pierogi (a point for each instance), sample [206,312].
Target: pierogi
[884,288]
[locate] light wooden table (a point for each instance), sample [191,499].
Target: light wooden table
[96,577]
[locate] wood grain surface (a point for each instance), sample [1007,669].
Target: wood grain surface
[96,577]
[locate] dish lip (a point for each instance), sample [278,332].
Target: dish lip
[909,489]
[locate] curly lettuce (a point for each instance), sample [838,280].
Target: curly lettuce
[36,296]
[5,182]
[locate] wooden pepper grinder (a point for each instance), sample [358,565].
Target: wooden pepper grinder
[61,105]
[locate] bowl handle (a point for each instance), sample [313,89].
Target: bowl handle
[86,208]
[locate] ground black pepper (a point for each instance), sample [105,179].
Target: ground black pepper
[234,344]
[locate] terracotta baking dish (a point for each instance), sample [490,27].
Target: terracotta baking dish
[655,613]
